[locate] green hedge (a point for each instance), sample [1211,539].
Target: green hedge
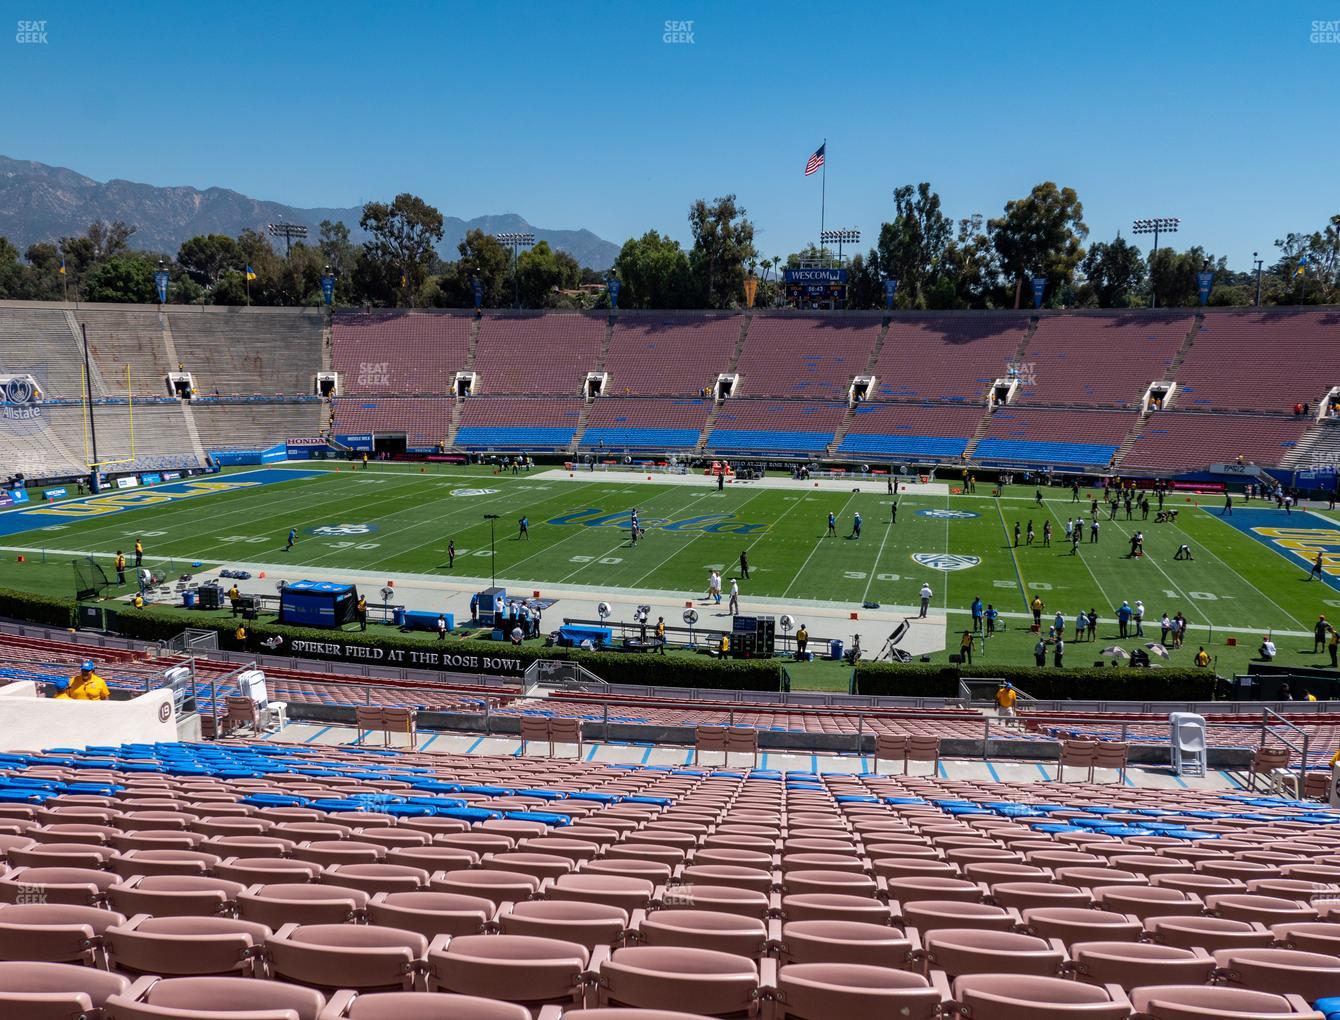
[43,609]
[1116,684]
[613,667]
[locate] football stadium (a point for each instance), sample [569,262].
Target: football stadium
[525,629]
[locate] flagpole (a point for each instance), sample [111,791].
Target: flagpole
[823,195]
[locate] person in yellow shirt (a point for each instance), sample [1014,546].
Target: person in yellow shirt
[139,553]
[1202,657]
[660,634]
[240,635]
[802,641]
[361,610]
[138,601]
[1005,698]
[85,685]
[235,597]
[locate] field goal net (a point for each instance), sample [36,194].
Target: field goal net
[90,580]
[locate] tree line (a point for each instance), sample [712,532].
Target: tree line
[975,262]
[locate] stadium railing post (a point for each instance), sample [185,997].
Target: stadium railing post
[488,716]
[986,736]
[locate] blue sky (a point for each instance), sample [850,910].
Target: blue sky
[579,114]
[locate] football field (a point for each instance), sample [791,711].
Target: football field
[1249,573]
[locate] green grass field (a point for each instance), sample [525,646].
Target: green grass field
[398,520]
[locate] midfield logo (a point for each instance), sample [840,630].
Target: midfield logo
[340,530]
[946,561]
[473,492]
[948,515]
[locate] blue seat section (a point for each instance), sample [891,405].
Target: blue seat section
[904,446]
[765,441]
[495,437]
[1030,452]
[640,438]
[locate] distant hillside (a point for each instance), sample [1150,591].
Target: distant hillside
[44,203]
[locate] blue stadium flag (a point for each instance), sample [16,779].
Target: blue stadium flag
[250,273]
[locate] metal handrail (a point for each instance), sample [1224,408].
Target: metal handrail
[1266,714]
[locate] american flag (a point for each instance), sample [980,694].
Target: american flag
[815,161]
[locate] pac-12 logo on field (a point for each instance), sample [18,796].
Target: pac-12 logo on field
[946,561]
[342,530]
[473,492]
[948,515]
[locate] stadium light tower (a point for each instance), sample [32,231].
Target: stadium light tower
[288,231]
[1155,226]
[839,237]
[516,240]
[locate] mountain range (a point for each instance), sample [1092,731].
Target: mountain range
[45,203]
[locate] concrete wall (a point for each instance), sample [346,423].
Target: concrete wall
[30,723]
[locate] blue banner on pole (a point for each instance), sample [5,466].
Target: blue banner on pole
[1204,281]
[328,288]
[1039,288]
[161,282]
[614,293]
[478,287]
[890,289]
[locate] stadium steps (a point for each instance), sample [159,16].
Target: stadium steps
[850,416]
[1027,338]
[327,342]
[473,345]
[978,434]
[879,346]
[582,420]
[1319,446]
[1188,342]
[457,406]
[188,417]
[1132,437]
[96,382]
[745,320]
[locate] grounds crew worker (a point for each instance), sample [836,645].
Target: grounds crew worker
[235,597]
[1005,698]
[362,612]
[802,640]
[139,552]
[85,685]
[240,635]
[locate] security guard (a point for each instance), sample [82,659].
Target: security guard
[85,685]
[362,613]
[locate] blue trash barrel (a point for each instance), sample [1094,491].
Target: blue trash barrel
[188,599]
[398,615]
[835,650]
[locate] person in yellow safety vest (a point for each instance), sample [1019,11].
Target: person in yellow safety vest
[85,685]
[724,647]
[235,597]
[1005,698]
[1202,657]
[138,601]
[241,635]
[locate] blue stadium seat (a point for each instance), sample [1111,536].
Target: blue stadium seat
[479,437]
[1043,453]
[640,438]
[764,441]
[903,446]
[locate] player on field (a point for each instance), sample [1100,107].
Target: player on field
[292,539]
[523,528]
[855,525]
[832,523]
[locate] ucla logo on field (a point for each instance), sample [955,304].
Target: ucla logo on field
[342,530]
[948,515]
[473,492]
[712,524]
[946,561]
